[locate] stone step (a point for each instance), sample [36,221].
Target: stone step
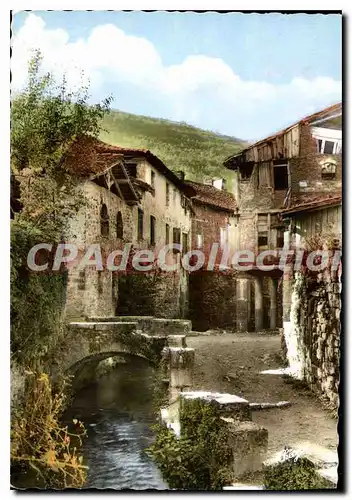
[229,405]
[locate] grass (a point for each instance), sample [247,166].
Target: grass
[199,153]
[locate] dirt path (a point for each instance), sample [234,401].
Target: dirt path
[245,356]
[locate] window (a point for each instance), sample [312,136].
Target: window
[262,223]
[132,169]
[329,147]
[174,196]
[246,171]
[176,236]
[199,240]
[329,141]
[262,227]
[82,280]
[280,239]
[100,282]
[119,225]
[224,236]
[167,234]
[280,177]
[262,240]
[184,243]
[152,230]
[167,194]
[152,179]
[140,224]
[104,220]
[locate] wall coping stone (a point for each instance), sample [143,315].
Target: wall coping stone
[222,398]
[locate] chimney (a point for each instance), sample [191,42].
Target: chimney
[219,183]
[181,175]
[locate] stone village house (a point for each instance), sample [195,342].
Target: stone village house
[313,300]
[132,198]
[288,190]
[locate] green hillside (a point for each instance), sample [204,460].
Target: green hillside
[197,152]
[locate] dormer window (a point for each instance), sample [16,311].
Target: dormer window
[152,179]
[329,141]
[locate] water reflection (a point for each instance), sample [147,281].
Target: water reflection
[117,412]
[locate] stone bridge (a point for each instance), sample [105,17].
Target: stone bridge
[89,342]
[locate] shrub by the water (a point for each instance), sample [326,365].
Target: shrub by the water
[200,459]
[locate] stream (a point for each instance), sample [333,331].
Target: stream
[117,413]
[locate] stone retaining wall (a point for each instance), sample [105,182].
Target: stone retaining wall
[313,336]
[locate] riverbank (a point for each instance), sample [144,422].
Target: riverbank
[232,363]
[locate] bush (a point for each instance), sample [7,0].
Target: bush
[37,300]
[201,458]
[38,440]
[293,474]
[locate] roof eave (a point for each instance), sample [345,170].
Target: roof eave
[307,119]
[289,212]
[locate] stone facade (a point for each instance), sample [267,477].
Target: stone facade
[148,224]
[306,169]
[91,292]
[298,165]
[212,293]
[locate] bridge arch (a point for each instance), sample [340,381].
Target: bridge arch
[95,359]
[89,342]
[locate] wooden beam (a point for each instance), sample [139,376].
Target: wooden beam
[122,181]
[108,180]
[117,186]
[129,181]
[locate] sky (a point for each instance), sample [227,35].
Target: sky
[244,75]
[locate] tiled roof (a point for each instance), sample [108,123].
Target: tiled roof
[306,202]
[306,119]
[210,195]
[90,156]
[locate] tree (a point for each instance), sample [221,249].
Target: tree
[46,118]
